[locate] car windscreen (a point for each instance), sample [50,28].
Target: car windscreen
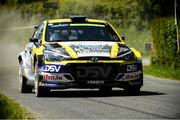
[79,32]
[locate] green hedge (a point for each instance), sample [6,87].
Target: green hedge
[162,71]
[120,13]
[164,42]
[10,109]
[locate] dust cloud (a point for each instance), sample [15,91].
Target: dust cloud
[15,31]
[14,27]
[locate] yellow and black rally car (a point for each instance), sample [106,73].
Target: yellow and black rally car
[78,53]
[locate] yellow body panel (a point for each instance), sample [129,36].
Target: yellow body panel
[114,51]
[44,31]
[137,53]
[38,50]
[69,20]
[70,51]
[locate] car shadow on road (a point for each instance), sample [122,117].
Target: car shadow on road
[96,93]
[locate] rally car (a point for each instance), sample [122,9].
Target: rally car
[78,53]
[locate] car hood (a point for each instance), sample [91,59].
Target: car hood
[88,49]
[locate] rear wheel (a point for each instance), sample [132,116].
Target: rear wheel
[23,87]
[133,90]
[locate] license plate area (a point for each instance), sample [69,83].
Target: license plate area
[92,82]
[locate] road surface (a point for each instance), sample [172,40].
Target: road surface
[159,99]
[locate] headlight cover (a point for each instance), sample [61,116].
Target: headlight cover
[55,56]
[125,53]
[122,50]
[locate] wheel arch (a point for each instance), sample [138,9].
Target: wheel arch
[21,57]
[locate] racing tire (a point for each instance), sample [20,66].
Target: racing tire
[39,91]
[133,90]
[105,89]
[23,87]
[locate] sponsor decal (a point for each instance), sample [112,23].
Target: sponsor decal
[131,68]
[129,76]
[80,49]
[57,25]
[83,24]
[132,76]
[51,68]
[93,72]
[50,84]
[52,77]
[91,48]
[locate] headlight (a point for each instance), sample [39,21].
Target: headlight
[129,56]
[122,50]
[54,55]
[125,53]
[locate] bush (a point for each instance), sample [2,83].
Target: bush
[10,109]
[164,42]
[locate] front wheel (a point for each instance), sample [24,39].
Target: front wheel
[39,91]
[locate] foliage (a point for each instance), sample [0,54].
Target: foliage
[120,13]
[10,109]
[135,38]
[164,42]
[162,71]
[130,17]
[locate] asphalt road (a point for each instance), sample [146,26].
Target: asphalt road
[159,99]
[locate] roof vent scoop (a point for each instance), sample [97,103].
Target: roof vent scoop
[77,18]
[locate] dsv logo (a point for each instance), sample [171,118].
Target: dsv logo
[51,68]
[93,72]
[131,68]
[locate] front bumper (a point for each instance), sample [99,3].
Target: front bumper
[90,75]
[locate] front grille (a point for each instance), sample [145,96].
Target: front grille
[98,58]
[91,58]
[95,71]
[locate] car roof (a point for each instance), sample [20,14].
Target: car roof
[69,20]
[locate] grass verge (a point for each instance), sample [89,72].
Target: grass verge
[161,71]
[9,109]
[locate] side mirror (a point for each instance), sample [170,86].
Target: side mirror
[33,40]
[123,38]
[36,27]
